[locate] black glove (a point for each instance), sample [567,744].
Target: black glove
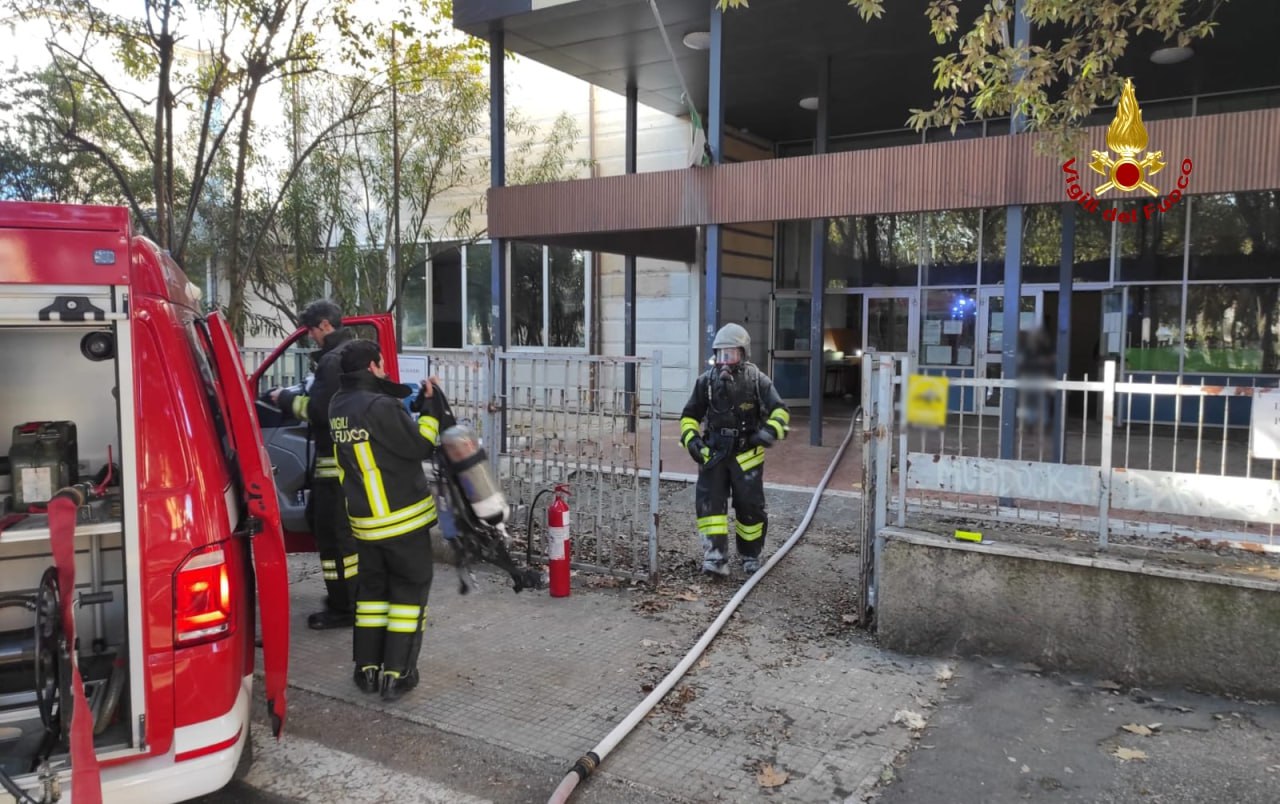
[698,450]
[420,400]
[763,437]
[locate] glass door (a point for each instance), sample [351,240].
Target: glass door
[789,354]
[991,334]
[891,322]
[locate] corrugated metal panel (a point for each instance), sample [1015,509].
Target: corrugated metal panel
[1230,152]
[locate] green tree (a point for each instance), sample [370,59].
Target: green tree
[210,62]
[1056,80]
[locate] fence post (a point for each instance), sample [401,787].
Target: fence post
[902,445]
[488,404]
[1105,471]
[655,460]
[884,454]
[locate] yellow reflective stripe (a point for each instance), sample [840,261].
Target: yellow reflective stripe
[781,415]
[327,472]
[688,423]
[427,503]
[751,458]
[351,570]
[405,619]
[688,436]
[776,426]
[351,560]
[325,460]
[300,406]
[369,534]
[716,525]
[371,613]
[429,427]
[749,533]
[372,480]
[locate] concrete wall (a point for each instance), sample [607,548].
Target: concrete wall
[1136,622]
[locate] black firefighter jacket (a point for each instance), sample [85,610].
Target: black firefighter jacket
[734,411]
[313,405]
[379,451]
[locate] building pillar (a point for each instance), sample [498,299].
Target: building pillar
[1012,277]
[497,248]
[1064,321]
[629,265]
[715,139]
[818,241]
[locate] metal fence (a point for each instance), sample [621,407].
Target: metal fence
[558,420]
[1081,459]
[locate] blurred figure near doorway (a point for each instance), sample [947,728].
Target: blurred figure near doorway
[1037,361]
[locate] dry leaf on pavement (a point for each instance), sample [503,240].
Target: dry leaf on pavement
[912,720]
[1128,753]
[943,673]
[687,596]
[770,776]
[1134,728]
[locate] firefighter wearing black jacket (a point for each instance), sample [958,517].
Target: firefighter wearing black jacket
[339,562]
[743,414]
[380,452]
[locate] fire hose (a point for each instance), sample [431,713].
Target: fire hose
[587,764]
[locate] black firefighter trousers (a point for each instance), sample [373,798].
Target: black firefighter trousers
[339,553]
[391,610]
[741,475]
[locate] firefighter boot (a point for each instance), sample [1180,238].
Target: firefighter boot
[395,685]
[750,564]
[329,618]
[366,678]
[713,557]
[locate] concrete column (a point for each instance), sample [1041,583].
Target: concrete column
[1064,320]
[497,178]
[818,280]
[629,265]
[1012,278]
[715,139]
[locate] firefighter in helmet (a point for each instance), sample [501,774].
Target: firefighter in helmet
[380,452]
[743,414]
[325,511]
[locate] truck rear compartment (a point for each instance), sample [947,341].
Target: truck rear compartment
[62,372]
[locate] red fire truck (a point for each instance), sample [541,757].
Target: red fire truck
[115,389]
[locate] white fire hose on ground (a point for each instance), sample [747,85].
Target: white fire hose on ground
[588,763]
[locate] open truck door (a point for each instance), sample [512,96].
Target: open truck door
[290,447]
[261,526]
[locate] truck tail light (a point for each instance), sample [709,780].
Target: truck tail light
[202,598]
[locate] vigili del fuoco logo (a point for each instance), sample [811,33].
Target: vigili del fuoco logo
[1126,137]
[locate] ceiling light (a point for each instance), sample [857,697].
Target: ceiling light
[697,40]
[1171,55]
[809,103]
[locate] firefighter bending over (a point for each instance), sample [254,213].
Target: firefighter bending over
[325,512]
[380,452]
[743,414]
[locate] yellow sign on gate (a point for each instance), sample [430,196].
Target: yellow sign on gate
[927,400]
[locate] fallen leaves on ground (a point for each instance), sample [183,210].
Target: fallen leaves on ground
[944,674]
[1108,685]
[912,720]
[770,776]
[1134,728]
[688,597]
[1128,754]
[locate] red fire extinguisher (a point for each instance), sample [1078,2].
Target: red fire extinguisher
[558,555]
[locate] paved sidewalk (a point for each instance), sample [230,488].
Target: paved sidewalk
[552,677]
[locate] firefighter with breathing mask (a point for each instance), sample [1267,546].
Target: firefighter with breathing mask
[743,414]
[380,452]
